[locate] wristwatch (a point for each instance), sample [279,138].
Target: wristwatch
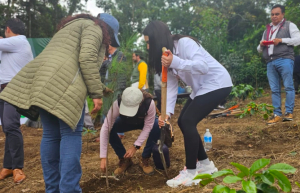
[137,147]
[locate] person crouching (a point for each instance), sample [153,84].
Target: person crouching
[134,110]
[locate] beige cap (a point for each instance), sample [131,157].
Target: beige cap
[130,103]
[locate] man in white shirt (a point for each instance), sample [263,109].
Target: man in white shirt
[16,53]
[280,61]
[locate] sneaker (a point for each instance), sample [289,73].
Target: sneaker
[206,169]
[221,107]
[147,169]
[124,164]
[274,119]
[184,178]
[287,117]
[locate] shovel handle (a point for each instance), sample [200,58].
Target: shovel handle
[164,72]
[164,79]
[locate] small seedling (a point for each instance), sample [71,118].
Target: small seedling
[88,132]
[251,180]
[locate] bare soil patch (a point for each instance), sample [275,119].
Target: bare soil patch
[234,140]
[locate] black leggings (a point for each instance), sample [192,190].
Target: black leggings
[192,113]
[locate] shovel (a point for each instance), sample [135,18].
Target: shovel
[165,128]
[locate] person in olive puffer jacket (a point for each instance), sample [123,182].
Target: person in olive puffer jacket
[56,84]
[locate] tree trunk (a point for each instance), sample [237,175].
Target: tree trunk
[72,7]
[8,9]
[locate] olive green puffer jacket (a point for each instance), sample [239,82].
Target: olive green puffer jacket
[59,79]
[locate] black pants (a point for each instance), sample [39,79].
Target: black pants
[192,113]
[14,152]
[296,77]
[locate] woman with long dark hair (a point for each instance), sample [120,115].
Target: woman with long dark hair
[209,80]
[55,85]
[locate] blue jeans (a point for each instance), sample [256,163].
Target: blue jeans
[120,126]
[60,154]
[281,68]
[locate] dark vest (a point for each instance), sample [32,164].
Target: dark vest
[281,50]
[139,118]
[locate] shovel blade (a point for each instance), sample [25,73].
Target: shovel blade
[162,157]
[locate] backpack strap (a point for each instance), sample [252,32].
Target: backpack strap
[147,103]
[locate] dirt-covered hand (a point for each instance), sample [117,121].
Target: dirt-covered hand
[130,152]
[97,105]
[103,165]
[167,60]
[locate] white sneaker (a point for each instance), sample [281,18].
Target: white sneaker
[221,107]
[184,178]
[206,169]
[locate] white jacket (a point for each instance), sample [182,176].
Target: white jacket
[197,68]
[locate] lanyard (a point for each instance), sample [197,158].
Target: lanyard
[279,26]
[273,31]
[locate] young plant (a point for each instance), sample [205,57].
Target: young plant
[243,91]
[251,180]
[88,132]
[263,109]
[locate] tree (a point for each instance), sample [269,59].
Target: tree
[292,12]
[40,16]
[211,29]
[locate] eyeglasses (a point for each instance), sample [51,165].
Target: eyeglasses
[272,14]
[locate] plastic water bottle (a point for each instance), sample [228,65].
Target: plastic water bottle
[207,140]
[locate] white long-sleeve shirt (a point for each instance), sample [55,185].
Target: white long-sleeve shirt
[16,53]
[293,41]
[197,68]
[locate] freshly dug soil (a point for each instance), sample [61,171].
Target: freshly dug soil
[234,140]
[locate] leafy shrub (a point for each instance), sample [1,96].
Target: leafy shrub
[263,109]
[243,91]
[251,180]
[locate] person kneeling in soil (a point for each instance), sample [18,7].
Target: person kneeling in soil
[135,110]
